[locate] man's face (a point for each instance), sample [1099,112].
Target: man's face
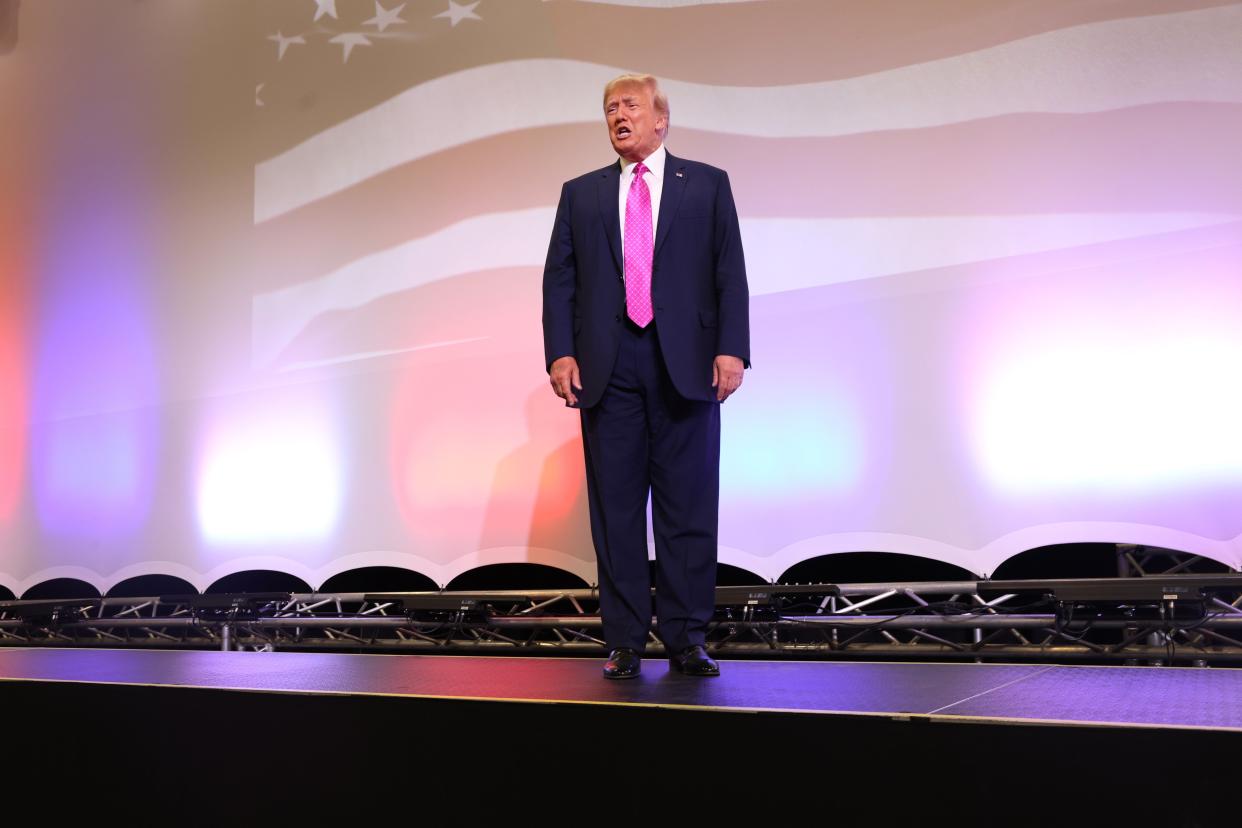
[633,123]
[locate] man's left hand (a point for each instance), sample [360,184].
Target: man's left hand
[726,376]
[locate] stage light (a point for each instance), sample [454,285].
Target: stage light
[1116,379]
[270,473]
[1112,412]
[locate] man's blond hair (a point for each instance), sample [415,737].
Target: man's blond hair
[652,85]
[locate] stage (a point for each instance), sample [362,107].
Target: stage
[296,731]
[1125,697]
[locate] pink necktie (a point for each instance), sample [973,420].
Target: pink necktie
[638,247]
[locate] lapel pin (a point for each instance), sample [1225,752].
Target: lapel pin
[679,174]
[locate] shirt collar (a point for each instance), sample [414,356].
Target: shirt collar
[654,162]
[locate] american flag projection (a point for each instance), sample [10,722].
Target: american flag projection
[994,251]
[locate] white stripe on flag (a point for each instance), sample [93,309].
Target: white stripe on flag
[778,255]
[1190,56]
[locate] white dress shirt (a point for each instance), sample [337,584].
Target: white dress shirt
[655,184]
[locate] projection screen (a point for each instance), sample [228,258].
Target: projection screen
[270,277]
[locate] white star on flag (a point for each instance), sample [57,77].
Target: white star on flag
[457,12]
[384,17]
[349,40]
[323,7]
[283,43]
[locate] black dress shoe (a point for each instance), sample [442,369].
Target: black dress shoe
[623,663]
[694,661]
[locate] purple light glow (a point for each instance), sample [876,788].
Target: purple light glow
[93,442]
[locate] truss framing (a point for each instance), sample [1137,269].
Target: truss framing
[909,620]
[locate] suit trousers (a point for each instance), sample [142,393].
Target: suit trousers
[644,438]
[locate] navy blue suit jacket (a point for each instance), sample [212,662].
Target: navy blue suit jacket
[698,280]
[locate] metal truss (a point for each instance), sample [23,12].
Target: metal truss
[1134,560]
[1186,619]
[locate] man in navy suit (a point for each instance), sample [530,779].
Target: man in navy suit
[646,330]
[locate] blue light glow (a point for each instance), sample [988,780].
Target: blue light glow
[813,449]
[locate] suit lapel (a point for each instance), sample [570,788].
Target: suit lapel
[670,198]
[609,184]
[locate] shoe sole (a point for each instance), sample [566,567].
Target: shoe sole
[622,678]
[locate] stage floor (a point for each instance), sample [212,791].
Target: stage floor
[1128,697]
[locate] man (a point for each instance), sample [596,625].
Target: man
[646,331]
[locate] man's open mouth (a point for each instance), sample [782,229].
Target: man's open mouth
[623,132]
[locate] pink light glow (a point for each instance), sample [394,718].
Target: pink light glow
[13,266]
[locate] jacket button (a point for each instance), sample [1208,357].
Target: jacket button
[617,317]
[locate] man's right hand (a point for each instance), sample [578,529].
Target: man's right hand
[565,379]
